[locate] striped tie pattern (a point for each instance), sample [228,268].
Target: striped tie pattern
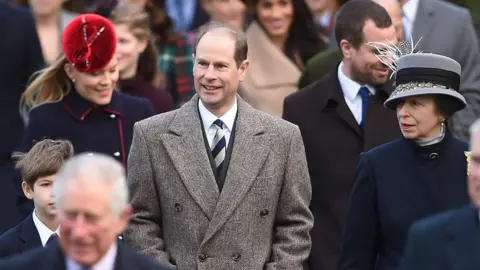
[219,145]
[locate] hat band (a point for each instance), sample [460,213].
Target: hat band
[418,85]
[435,76]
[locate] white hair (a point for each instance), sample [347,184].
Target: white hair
[94,167]
[474,130]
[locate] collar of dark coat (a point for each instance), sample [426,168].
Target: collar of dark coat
[28,232]
[80,108]
[424,152]
[335,93]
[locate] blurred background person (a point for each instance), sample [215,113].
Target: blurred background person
[324,12]
[51,18]
[419,175]
[137,56]
[341,116]
[281,39]
[21,54]
[91,197]
[321,63]
[75,98]
[187,15]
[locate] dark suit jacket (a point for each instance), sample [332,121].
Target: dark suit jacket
[52,258]
[106,129]
[333,140]
[396,184]
[21,56]
[447,241]
[21,238]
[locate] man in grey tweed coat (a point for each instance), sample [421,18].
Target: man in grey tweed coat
[217,184]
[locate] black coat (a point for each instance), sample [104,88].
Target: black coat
[333,141]
[19,239]
[448,241]
[21,56]
[397,184]
[52,258]
[106,129]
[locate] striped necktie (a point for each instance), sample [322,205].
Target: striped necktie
[364,95]
[219,145]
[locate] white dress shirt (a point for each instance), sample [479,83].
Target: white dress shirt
[106,263]
[409,14]
[42,229]
[208,118]
[350,92]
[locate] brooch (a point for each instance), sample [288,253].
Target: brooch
[468,155]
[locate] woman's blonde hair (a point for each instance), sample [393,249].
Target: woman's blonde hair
[138,22]
[49,86]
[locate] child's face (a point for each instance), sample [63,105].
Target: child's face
[42,195]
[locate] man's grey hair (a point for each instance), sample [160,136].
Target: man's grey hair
[474,130]
[96,168]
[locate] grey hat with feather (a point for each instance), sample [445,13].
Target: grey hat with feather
[421,74]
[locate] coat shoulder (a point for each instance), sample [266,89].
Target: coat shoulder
[451,9]
[8,240]
[438,223]
[159,122]
[386,149]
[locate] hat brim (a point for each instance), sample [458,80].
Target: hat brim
[459,100]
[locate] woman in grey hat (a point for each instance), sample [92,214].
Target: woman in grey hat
[421,174]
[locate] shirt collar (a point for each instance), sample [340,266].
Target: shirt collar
[42,229]
[81,108]
[106,263]
[208,118]
[410,10]
[350,88]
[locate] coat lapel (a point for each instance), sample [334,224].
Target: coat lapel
[29,236]
[464,248]
[249,153]
[424,20]
[342,108]
[185,146]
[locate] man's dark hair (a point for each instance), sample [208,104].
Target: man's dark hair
[241,46]
[352,17]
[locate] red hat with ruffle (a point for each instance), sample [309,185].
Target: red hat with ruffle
[89,42]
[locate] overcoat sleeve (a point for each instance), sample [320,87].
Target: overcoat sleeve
[361,236]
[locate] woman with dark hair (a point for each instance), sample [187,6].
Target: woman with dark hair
[282,37]
[137,56]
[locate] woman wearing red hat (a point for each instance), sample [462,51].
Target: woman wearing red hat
[75,97]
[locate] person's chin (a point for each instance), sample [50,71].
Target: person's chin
[104,99]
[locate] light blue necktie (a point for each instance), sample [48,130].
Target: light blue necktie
[364,93]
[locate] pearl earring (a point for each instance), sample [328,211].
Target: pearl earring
[73,80]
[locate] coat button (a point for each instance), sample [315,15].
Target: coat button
[433,156]
[112,116]
[117,154]
[202,257]
[178,207]
[264,213]
[236,256]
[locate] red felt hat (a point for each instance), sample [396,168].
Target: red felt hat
[89,42]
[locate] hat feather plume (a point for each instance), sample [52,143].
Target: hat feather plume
[388,53]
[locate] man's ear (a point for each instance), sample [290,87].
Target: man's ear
[27,190]
[346,48]
[243,68]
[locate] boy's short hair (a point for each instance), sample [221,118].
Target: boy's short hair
[45,158]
